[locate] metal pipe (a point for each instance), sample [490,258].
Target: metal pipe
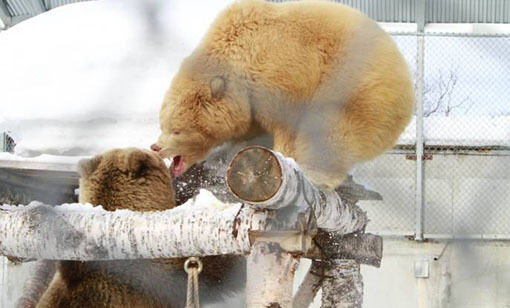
[419,139]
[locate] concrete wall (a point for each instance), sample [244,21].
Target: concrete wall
[460,274]
[453,275]
[465,274]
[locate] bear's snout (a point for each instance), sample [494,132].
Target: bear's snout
[155,148]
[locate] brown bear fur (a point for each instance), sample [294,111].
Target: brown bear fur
[136,180]
[323,79]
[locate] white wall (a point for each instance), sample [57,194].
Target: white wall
[467,275]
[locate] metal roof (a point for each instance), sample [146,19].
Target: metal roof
[407,11]
[15,11]
[433,11]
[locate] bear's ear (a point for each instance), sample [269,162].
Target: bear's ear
[217,85]
[87,166]
[137,163]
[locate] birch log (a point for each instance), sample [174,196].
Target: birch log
[309,287]
[266,179]
[78,232]
[270,275]
[365,248]
[342,286]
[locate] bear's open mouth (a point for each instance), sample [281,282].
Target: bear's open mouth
[178,165]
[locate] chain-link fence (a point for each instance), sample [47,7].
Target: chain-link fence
[466,138]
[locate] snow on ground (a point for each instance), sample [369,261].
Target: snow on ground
[461,131]
[86,77]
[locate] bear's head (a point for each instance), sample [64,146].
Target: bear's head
[204,107]
[126,179]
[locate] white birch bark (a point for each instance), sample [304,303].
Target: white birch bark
[342,286]
[256,166]
[78,232]
[270,275]
[309,287]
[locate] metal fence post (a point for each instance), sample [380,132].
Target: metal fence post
[420,13]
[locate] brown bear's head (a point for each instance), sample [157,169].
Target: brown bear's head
[126,179]
[204,107]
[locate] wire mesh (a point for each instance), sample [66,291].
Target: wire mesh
[466,108]
[393,175]
[467,134]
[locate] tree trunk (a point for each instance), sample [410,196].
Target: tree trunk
[270,276]
[342,286]
[266,179]
[309,287]
[79,232]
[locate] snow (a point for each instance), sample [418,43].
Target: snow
[461,131]
[206,199]
[203,200]
[87,77]
[44,158]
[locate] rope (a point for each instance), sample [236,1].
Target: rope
[193,267]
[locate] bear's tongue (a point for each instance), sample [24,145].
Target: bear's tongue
[178,166]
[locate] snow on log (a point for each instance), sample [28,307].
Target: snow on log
[268,180]
[270,272]
[202,226]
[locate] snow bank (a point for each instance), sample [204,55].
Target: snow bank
[90,76]
[461,131]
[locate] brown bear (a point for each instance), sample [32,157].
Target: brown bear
[324,80]
[137,180]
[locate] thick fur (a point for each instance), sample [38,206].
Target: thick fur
[323,79]
[137,180]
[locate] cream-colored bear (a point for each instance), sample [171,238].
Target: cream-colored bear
[323,79]
[137,180]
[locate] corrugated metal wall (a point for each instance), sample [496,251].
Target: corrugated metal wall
[14,11]
[408,11]
[24,7]
[436,11]
[468,11]
[51,4]
[385,10]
